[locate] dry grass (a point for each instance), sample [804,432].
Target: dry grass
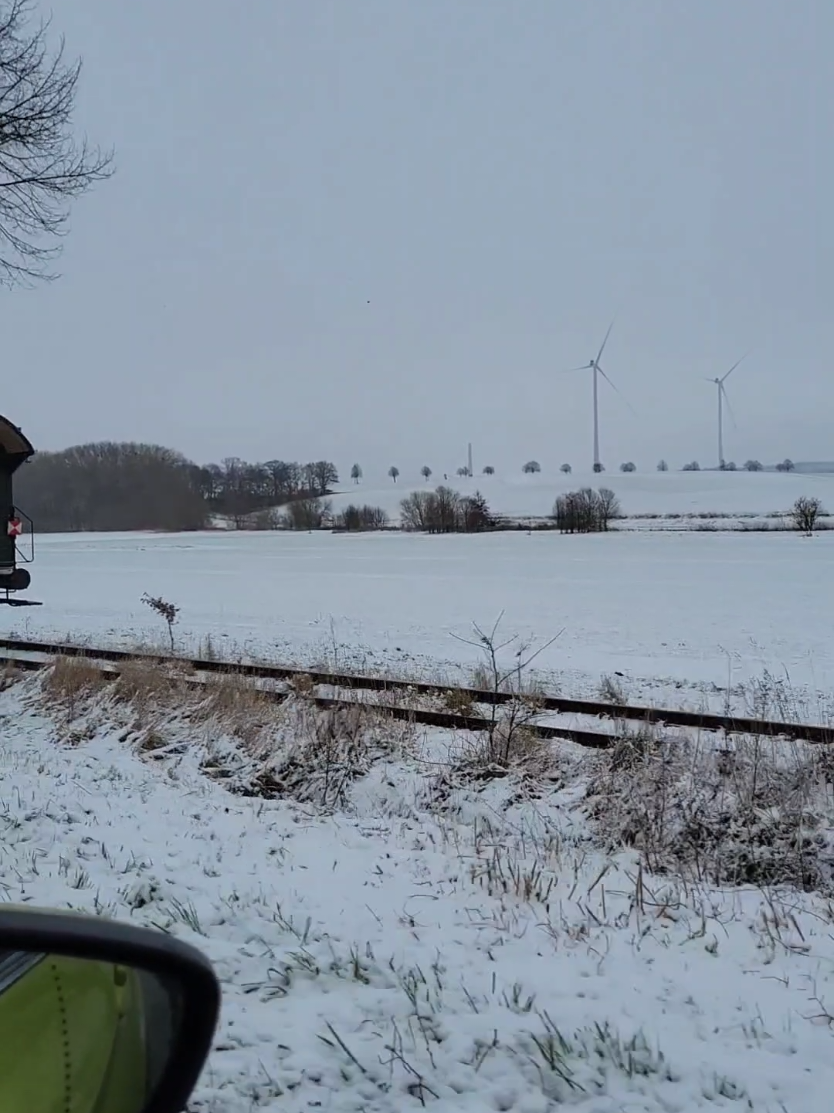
[148,682]
[751,811]
[70,678]
[256,743]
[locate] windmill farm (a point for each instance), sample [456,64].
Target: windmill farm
[594,365]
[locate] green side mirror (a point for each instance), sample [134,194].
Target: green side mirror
[100,1017]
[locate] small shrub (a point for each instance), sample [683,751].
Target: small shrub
[565,469]
[694,466]
[445,511]
[359,519]
[662,466]
[169,612]
[306,514]
[586,511]
[628,467]
[805,513]
[532,467]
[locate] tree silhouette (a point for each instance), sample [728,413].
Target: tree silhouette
[425,471]
[355,473]
[42,166]
[394,471]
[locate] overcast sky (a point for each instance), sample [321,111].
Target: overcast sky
[373,230]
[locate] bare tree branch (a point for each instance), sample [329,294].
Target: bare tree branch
[43,166]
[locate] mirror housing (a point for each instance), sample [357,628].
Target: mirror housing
[180,967]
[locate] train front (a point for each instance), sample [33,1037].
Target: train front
[16,540]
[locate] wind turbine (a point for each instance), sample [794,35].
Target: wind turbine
[594,366]
[722,398]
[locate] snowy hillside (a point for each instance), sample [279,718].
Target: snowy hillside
[650,493]
[398,935]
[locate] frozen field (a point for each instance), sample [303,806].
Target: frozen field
[650,492]
[667,611]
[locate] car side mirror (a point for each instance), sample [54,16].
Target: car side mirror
[100,1017]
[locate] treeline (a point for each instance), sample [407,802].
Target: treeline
[237,488]
[111,486]
[106,486]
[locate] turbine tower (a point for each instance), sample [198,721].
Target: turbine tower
[594,366]
[722,398]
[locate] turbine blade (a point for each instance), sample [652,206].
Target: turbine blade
[570,370]
[616,390]
[735,365]
[729,407]
[605,341]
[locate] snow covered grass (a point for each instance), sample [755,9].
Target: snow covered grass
[424,937]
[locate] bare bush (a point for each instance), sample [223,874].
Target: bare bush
[532,467]
[263,520]
[307,514]
[508,740]
[755,811]
[445,511]
[805,513]
[693,466]
[628,467]
[359,519]
[586,511]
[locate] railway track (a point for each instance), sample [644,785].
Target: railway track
[40,654]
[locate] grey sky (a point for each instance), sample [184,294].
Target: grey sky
[374,229]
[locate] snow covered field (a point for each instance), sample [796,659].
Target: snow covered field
[668,611]
[424,944]
[680,493]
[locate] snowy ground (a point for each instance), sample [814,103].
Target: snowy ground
[678,616]
[408,950]
[680,493]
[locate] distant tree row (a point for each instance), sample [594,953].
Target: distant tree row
[126,486]
[108,486]
[238,488]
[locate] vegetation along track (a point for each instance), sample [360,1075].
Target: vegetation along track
[10,648]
